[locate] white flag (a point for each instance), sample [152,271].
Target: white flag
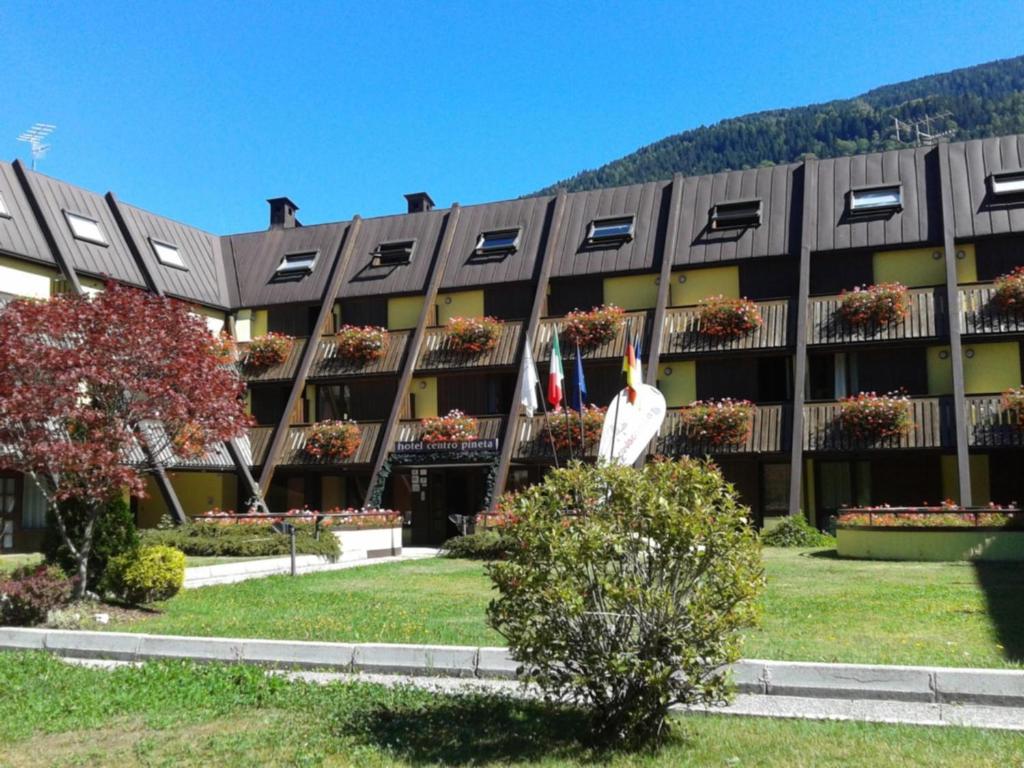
[528,393]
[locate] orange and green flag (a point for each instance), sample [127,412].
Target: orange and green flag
[631,367]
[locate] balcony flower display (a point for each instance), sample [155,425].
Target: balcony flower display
[454,427]
[473,335]
[224,348]
[268,350]
[1013,404]
[564,428]
[870,416]
[727,319]
[594,328]
[1009,294]
[876,305]
[947,515]
[335,440]
[361,344]
[719,422]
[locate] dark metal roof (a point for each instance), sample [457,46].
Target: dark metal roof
[975,212]
[256,256]
[20,235]
[114,260]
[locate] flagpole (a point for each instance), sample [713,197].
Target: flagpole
[617,402]
[547,422]
[579,402]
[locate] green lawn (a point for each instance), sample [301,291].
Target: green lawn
[177,714]
[9,562]
[816,608]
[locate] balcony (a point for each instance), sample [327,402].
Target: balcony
[259,442]
[932,419]
[532,443]
[489,427]
[283,372]
[769,434]
[927,319]
[988,426]
[438,353]
[294,455]
[980,316]
[682,331]
[327,363]
[616,347]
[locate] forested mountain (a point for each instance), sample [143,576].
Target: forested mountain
[984,100]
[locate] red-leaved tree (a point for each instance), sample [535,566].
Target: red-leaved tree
[94,390]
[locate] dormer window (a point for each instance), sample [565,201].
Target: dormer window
[393,254]
[865,200]
[84,228]
[1006,184]
[168,254]
[4,213]
[499,241]
[294,264]
[616,229]
[738,214]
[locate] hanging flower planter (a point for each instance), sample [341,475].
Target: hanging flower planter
[336,440]
[223,348]
[869,416]
[594,328]
[728,319]
[455,427]
[269,350]
[876,305]
[361,344]
[1009,295]
[564,429]
[719,422]
[473,335]
[1013,405]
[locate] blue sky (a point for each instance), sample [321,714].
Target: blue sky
[201,110]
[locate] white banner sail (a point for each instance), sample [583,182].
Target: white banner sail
[628,428]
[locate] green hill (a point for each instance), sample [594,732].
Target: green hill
[984,100]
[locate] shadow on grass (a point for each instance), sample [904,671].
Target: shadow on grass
[1003,585]
[824,554]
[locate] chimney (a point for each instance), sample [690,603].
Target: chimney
[282,213]
[419,202]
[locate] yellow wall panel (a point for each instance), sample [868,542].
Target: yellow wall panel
[697,284]
[940,371]
[459,304]
[198,492]
[259,322]
[425,391]
[914,268]
[632,292]
[678,382]
[990,368]
[980,495]
[966,267]
[332,492]
[404,312]
[30,281]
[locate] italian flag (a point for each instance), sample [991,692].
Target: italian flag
[555,374]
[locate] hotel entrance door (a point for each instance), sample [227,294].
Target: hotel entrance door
[438,493]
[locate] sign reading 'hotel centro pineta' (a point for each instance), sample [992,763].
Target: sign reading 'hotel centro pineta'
[463,446]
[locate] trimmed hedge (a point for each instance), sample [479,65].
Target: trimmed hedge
[795,531]
[233,540]
[147,574]
[483,545]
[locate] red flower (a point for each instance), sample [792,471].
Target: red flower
[723,318]
[473,335]
[877,305]
[594,328]
[361,344]
[268,351]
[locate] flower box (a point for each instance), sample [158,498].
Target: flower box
[268,350]
[1009,293]
[455,427]
[869,416]
[473,335]
[360,344]
[874,305]
[1012,404]
[223,348]
[722,318]
[719,422]
[594,328]
[563,427]
[337,440]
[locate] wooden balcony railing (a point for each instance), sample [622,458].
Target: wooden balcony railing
[639,321]
[409,430]
[328,364]
[980,315]
[769,434]
[682,331]
[932,419]
[438,353]
[283,372]
[294,453]
[989,426]
[533,444]
[927,319]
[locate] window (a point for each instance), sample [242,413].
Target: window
[297,264]
[501,241]
[738,214]
[4,213]
[1005,184]
[618,229]
[168,254]
[84,228]
[393,254]
[876,199]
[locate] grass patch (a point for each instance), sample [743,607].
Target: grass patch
[178,714]
[9,563]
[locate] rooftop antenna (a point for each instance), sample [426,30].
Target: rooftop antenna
[35,136]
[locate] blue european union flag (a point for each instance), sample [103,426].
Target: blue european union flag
[578,395]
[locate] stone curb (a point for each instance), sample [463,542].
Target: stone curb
[939,685]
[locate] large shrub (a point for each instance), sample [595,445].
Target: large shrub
[114,533]
[204,539]
[624,588]
[482,545]
[795,531]
[31,592]
[146,574]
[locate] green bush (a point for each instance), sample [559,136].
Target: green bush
[624,590]
[146,574]
[31,592]
[482,545]
[795,531]
[242,540]
[114,533]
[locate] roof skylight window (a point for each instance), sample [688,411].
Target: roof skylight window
[393,254]
[4,213]
[294,264]
[876,199]
[738,214]
[617,229]
[499,241]
[1005,184]
[168,254]
[84,228]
